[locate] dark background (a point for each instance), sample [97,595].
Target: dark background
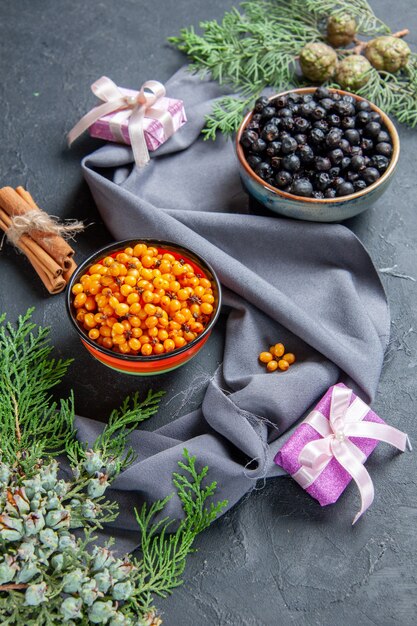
[277,558]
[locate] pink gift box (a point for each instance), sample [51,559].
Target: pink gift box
[155,133]
[334,479]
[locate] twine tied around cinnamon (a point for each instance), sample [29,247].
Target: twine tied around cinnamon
[40,221]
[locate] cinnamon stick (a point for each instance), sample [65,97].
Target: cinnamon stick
[47,269]
[69,272]
[13,204]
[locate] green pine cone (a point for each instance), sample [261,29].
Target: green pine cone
[387,53]
[352,72]
[318,61]
[341,30]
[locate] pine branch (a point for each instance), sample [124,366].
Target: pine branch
[258,45]
[163,554]
[29,418]
[111,444]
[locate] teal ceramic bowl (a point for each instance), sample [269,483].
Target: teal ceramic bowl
[312,209]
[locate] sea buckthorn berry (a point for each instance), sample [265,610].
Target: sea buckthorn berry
[289,357]
[146,349]
[137,332]
[206,308]
[147,296]
[107,343]
[122,309]
[272,366]
[139,249]
[169,345]
[80,315]
[174,306]
[133,298]
[158,348]
[130,280]
[105,331]
[158,282]
[77,288]
[135,321]
[114,269]
[204,282]
[162,334]
[179,342]
[94,333]
[178,269]
[96,269]
[118,339]
[134,344]
[100,318]
[122,258]
[124,348]
[118,329]
[79,300]
[113,302]
[101,301]
[108,261]
[279,350]
[147,260]
[146,273]
[133,273]
[90,303]
[165,266]
[89,320]
[265,357]
[150,308]
[153,331]
[182,294]
[151,321]
[208,297]
[283,365]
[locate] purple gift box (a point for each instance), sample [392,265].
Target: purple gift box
[333,479]
[114,126]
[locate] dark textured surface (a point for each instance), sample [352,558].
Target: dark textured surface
[277,558]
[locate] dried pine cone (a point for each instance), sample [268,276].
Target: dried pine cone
[318,61]
[341,30]
[387,53]
[352,72]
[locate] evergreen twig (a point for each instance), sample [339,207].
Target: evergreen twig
[258,45]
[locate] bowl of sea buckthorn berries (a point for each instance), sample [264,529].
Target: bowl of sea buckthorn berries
[317,154]
[144,306]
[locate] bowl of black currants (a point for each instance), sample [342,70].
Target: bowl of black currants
[317,154]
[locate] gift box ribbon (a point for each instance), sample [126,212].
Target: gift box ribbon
[138,106]
[345,420]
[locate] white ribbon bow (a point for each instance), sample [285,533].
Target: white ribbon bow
[345,420]
[140,105]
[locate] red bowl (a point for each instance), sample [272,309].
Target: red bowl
[156,363]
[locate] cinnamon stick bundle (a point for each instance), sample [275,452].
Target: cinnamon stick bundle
[33,232]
